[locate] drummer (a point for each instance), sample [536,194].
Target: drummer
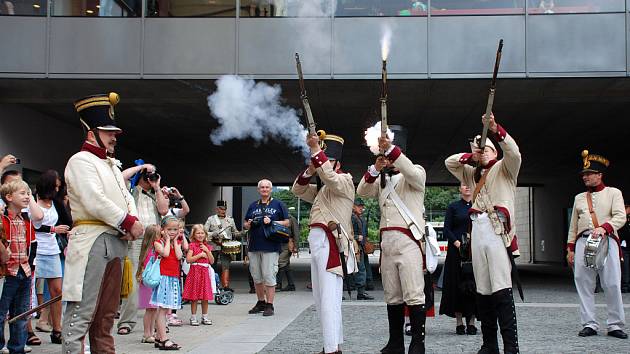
[598,212]
[221,228]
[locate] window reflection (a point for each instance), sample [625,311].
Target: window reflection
[574,6]
[96,8]
[191,8]
[477,7]
[369,8]
[287,8]
[23,7]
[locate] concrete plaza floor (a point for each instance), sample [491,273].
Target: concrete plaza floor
[548,322]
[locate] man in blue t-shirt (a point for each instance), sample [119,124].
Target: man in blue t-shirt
[263,254]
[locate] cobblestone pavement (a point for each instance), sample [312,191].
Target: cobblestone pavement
[548,323]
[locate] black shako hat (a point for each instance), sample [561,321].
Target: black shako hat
[593,163]
[97,111]
[400,136]
[221,204]
[333,146]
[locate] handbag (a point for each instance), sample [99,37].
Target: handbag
[276,232]
[151,273]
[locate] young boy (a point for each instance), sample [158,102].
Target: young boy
[18,234]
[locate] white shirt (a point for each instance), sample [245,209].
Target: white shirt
[46,241]
[146,209]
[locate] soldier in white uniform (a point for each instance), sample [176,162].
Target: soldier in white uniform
[400,194]
[104,217]
[330,237]
[598,212]
[221,228]
[493,238]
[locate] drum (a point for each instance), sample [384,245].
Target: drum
[231,247]
[595,251]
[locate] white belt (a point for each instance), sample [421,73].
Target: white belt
[200,264]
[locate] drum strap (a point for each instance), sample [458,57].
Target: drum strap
[589,200]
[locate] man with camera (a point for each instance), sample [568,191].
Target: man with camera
[263,253]
[152,204]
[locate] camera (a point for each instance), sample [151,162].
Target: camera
[152,177]
[18,161]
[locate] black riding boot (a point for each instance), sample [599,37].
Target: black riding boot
[488,317]
[290,284]
[396,321]
[504,302]
[417,317]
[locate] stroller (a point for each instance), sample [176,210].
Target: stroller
[221,296]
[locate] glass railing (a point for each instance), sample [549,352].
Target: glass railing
[96,8]
[374,8]
[287,8]
[574,6]
[23,7]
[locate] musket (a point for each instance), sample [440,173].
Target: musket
[493,83]
[35,309]
[384,99]
[307,107]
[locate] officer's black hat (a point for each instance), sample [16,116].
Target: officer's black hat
[400,136]
[593,163]
[97,111]
[221,204]
[333,146]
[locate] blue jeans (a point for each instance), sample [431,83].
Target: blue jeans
[16,297]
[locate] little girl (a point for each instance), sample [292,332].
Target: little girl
[151,235]
[198,284]
[167,295]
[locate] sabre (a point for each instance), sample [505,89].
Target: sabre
[307,107]
[35,309]
[493,83]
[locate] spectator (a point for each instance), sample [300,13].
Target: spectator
[151,235]
[624,238]
[48,251]
[36,215]
[358,226]
[458,292]
[284,260]
[198,285]
[151,205]
[19,232]
[177,205]
[263,254]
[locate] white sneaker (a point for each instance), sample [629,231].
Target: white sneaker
[27,349]
[4,350]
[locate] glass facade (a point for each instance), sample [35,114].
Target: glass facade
[305,8]
[191,8]
[96,8]
[23,7]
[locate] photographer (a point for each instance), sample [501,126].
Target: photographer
[151,207]
[177,205]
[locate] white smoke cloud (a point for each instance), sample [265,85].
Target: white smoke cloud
[246,109]
[386,40]
[372,134]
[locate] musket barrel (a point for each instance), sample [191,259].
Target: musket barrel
[490,103]
[384,99]
[307,107]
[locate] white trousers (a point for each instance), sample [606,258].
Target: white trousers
[610,279]
[327,291]
[491,264]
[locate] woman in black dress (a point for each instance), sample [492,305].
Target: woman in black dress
[458,291]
